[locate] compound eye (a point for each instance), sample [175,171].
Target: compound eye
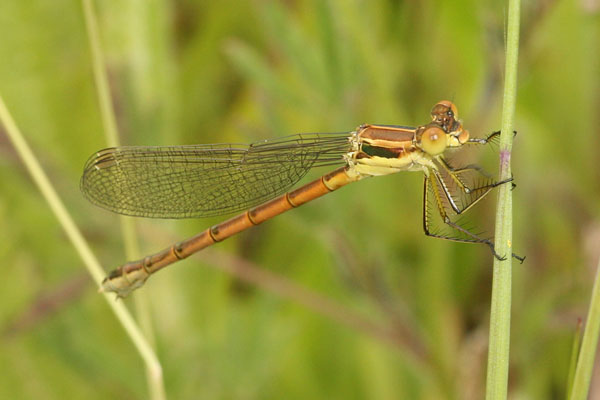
[449,106]
[433,140]
[463,137]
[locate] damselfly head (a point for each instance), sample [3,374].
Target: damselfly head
[445,114]
[444,106]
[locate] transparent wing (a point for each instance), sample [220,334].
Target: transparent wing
[204,180]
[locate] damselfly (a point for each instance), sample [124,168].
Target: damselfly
[209,180]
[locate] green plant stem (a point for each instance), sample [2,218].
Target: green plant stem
[574,356]
[499,344]
[154,376]
[587,353]
[75,236]
[106,111]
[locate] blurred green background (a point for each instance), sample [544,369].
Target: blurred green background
[392,314]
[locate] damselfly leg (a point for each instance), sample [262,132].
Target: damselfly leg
[454,190]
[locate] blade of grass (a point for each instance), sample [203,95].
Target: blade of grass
[574,356]
[104,101]
[587,354]
[154,377]
[498,354]
[76,238]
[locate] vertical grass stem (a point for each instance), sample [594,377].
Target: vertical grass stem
[499,343]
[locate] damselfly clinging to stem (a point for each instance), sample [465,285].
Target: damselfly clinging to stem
[209,180]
